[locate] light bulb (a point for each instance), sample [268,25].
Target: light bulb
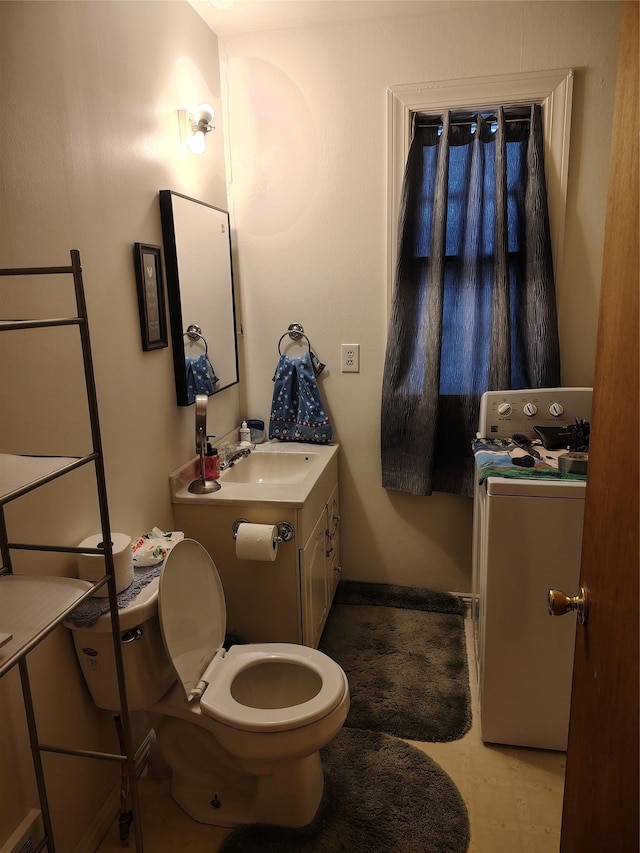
[206,113]
[197,143]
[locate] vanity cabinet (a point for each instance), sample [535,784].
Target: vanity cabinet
[320,571]
[286,600]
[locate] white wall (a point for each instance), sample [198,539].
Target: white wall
[307,142]
[89,135]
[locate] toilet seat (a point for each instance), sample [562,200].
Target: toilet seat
[192,612]
[320,672]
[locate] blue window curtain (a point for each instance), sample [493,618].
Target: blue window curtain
[474,299]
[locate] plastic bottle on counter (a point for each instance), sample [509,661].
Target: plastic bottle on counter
[245,434]
[211,463]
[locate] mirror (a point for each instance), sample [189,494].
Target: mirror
[197,250]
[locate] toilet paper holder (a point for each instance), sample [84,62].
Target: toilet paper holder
[286,531]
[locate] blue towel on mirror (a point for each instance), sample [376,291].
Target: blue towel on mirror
[297,411]
[201,377]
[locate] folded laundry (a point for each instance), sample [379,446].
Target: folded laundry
[495,458]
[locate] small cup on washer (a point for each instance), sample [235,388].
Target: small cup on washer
[573,463]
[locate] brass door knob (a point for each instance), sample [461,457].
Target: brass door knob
[559,603]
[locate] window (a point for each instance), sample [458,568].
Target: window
[474,305]
[552,89]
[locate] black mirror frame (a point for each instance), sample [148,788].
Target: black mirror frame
[174,295]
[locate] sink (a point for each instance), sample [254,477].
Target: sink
[275,472]
[277,468]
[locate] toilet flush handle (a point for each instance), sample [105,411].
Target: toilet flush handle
[131,636]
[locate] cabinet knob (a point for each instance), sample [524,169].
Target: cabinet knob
[329,549]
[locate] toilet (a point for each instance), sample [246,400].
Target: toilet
[240,729]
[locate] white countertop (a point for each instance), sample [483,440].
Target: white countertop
[233,494]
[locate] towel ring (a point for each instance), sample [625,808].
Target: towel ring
[194,333]
[295,332]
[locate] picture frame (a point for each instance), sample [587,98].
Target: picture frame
[151,303]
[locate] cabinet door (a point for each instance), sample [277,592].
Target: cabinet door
[333,545]
[313,578]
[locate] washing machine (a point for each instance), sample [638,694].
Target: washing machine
[527,539]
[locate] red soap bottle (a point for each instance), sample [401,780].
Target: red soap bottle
[211,463]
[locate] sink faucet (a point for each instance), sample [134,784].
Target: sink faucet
[231,453]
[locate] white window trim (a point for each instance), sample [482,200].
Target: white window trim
[553,90]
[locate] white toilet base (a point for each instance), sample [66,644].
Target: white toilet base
[230,804]
[213,787]
[288,797]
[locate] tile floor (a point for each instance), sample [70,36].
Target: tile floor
[513,795]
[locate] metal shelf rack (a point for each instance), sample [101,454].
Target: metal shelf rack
[31,607]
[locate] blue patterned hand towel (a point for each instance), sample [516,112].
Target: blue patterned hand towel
[297,411]
[201,376]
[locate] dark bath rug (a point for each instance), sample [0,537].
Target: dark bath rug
[381,796]
[407,667]
[392,595]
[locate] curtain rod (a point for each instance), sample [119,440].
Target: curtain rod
[468,121]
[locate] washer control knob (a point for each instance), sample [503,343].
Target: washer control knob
[504,409]
[556,409]
[530,409]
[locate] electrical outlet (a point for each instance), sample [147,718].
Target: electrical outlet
[350,358]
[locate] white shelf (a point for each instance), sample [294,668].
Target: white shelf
[19,474]
[30,607]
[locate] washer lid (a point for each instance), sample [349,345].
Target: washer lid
[537,487]
[192,611]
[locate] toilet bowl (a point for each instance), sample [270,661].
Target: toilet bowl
[255,757]
[240,729]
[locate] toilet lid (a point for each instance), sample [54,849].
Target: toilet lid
[192,611]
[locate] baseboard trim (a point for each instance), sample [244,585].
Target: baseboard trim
[467,597]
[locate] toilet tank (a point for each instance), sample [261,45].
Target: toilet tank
[147,670]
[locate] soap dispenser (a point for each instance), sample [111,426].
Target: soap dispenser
[245,434]
[211,462]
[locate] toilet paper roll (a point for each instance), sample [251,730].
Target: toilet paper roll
[92,567]
[257,542]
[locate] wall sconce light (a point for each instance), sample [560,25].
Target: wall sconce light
[195,126]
